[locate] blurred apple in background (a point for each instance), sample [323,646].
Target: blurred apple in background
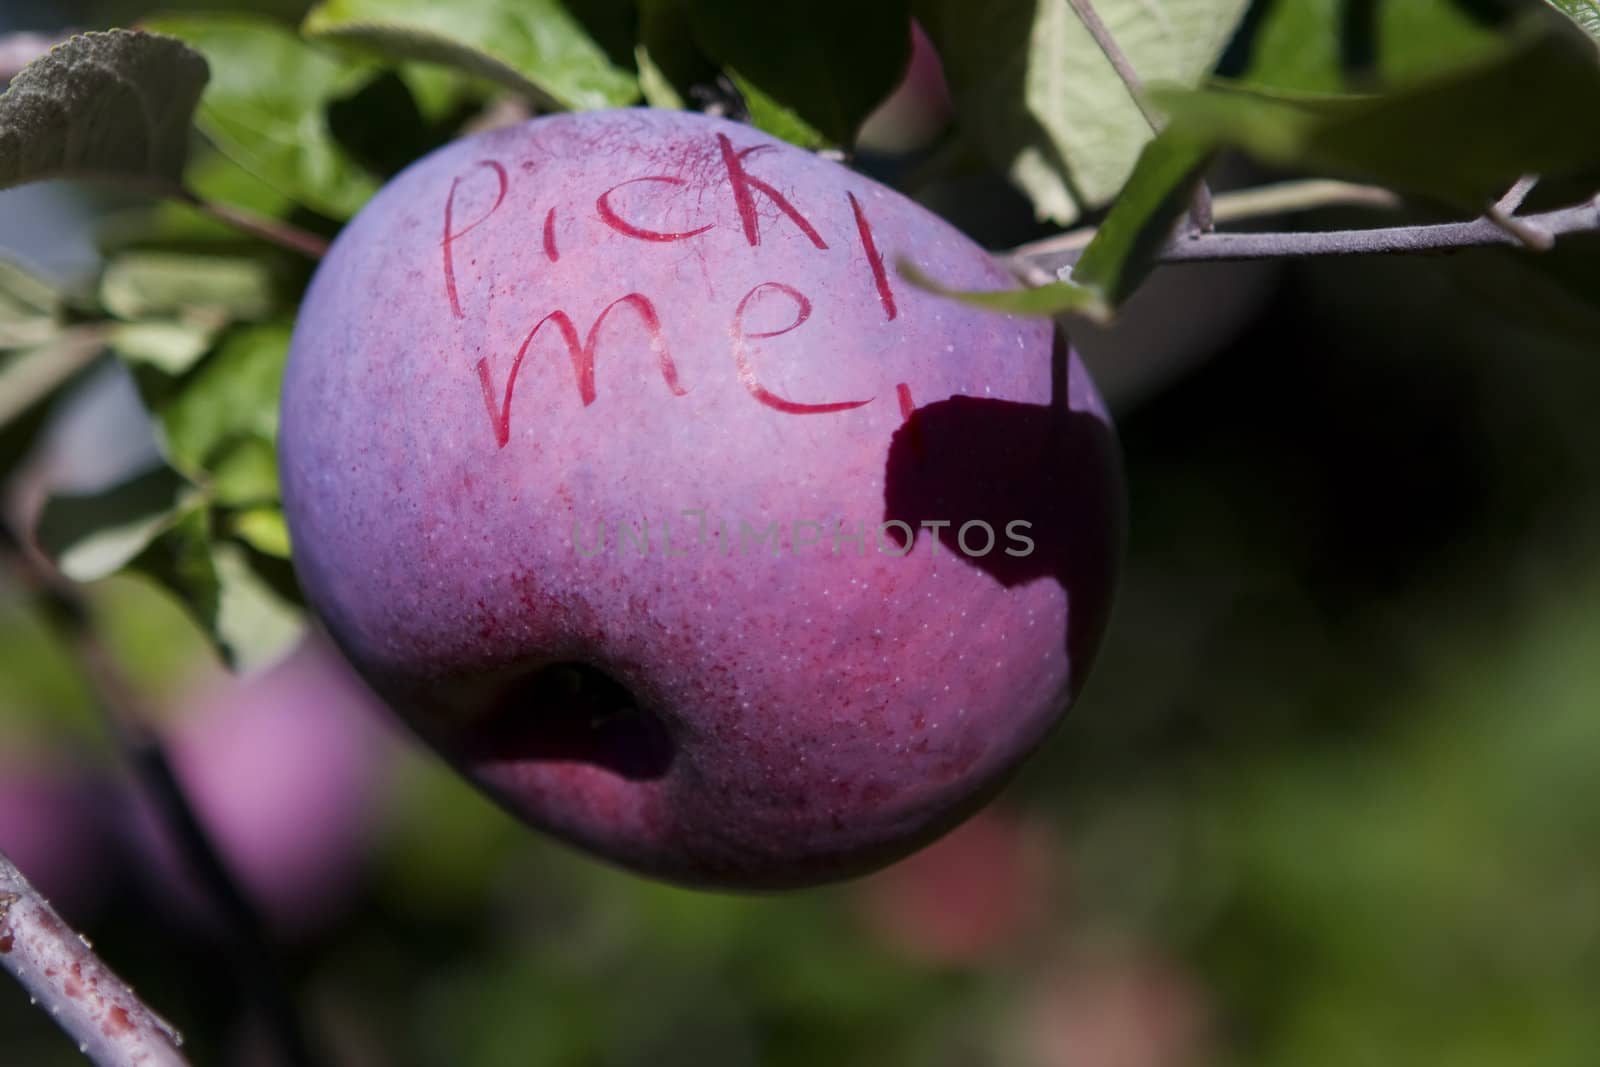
[970,896]
[1113,1007]
[917,112]
[287,772]
[51,827]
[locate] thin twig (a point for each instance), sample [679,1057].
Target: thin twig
[1512,200]
[1202,211]
[276,231]
[245,937]
[1119,59]
[1234,206]
[62,974]
[1521,231]
[1503,214]
[1392,240]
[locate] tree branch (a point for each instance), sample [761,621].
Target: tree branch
[1039,259]
[62,974]
[1234,206]
[254,967]
[1393,240]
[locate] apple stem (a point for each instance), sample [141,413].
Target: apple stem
[65,978]
[256,970]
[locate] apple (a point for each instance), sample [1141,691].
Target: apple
[285,771]
[978,892]
[624,465]
[50,828]
[913,116]
[1113,1006]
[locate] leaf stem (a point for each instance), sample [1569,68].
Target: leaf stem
[275,231]
[62,974]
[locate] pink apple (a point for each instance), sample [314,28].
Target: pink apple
[286,772]
[624,465]
[918,110]
[51,829]
[974,894]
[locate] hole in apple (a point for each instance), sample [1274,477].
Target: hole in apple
[574,712]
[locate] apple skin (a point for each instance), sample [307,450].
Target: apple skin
[722,715]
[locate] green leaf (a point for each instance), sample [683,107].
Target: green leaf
[828,64]
[1034,92]
[30,308]
[263,529]
[231,400]
[266,107]
[1057,298]
[114,105]
[1586,13]
[248,621]
[30,375]
[1140,223]
[24,295]
[173,348]
[769,115]
[1326,46]
[213,178]
[539,48]
[1462,137]
[144,285]
[91,535]
[657,88]
[245,473]
[254,625]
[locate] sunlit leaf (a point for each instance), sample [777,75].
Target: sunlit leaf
[170,347]
[540,48]
[143,285]
[266,107]
[263,529]
[1586,13]
[1330,46]
[1036,94]
[254,625]
[231,399]
[769,115]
